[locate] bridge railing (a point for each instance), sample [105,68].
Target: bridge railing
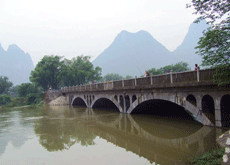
[170,80]
[206,75]
[184,77]
[143,81]
[160,79]
[117,84]
[129,83]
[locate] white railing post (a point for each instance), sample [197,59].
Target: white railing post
[198,74]
[171,77]
[151,80]
[135,83]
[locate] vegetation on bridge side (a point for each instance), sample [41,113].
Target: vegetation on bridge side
[214,46]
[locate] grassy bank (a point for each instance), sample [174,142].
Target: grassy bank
[213,157]
[33,100]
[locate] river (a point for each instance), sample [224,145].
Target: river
[67,135]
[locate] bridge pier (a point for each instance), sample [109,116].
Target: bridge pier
[218,112]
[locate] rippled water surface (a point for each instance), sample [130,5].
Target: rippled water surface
[63,135]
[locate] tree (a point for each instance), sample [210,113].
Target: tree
[214,46]
[5,85]
[128,77]
[47,72]
[178,67]
[155,71]
[27,88]
[13,91]
[78,71]
[181,67]
[112,76]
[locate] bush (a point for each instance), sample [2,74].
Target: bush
[5,99]
[213,157]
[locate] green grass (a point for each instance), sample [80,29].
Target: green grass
[214,157]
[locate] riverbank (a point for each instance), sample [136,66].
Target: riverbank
[61,100]
[224,141]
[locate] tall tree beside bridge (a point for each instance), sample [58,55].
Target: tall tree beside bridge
[79,70]
[47,72]
[214,46]
[53,72]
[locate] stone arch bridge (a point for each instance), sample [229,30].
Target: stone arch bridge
[193,90]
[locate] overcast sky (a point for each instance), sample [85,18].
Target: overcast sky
[72,27]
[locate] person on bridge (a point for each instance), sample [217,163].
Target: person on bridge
[196,67]
[146,74]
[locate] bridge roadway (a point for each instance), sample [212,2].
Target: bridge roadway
[193,90]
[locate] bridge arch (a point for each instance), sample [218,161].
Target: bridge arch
[163,108]
[192,99]
[79,101]
[208,107]
[225,113]
[127,102]
[109,98]
[193,110]
[134,97]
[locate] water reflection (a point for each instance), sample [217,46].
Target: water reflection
[10,130]
[163,141]
[156,139]
[60,129]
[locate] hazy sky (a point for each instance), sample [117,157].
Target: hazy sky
[72,27]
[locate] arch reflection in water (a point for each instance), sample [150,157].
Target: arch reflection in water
[156,139]
[158,143]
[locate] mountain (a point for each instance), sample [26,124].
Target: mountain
[15,64]
[186,52]
[132,53]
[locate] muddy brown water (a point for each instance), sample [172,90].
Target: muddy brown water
[65,135]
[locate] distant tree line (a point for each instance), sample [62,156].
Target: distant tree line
[178,67]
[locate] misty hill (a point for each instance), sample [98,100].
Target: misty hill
[186,52]
[132,53]
[15,64]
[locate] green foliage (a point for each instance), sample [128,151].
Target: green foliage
[13,91]
[214,46]
[112,76]
[211,10]
[78,71]
[5,84]
[213,157]
[128,77]
[52,72]
[27,88]
[47,72]
[178,67]
[5,99]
